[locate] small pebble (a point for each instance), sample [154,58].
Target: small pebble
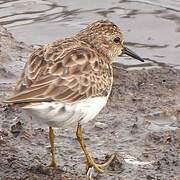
[101,125]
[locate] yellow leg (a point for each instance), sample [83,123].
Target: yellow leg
[51,139]
[90,162]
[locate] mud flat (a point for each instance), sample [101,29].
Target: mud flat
[141,124]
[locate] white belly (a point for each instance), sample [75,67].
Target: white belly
[57,114]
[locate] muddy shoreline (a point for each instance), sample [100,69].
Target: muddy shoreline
[141,124]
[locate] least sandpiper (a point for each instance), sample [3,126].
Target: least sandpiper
[69,81]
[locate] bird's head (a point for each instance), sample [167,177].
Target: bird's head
[107,39]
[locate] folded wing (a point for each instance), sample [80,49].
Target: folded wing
[62,74]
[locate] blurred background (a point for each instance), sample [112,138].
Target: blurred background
[151,27]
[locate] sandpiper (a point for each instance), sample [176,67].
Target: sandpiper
[69,81]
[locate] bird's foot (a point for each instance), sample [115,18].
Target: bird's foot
[52,164]
[90,163]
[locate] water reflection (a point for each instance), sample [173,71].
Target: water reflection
[171,5]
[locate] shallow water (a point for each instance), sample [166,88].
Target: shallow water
[151,28]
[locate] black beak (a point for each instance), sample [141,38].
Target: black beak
[128,52]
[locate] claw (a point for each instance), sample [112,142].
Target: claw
[89,173]
[90,163]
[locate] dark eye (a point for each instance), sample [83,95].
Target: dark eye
[117,39]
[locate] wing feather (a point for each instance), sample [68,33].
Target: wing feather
[57,72]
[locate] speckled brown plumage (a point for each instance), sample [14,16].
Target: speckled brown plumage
[72,69]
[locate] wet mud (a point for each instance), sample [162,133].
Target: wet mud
[140,124]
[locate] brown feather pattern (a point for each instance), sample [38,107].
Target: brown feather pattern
[72,69]
[66,71]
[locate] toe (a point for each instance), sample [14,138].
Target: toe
[52,164]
